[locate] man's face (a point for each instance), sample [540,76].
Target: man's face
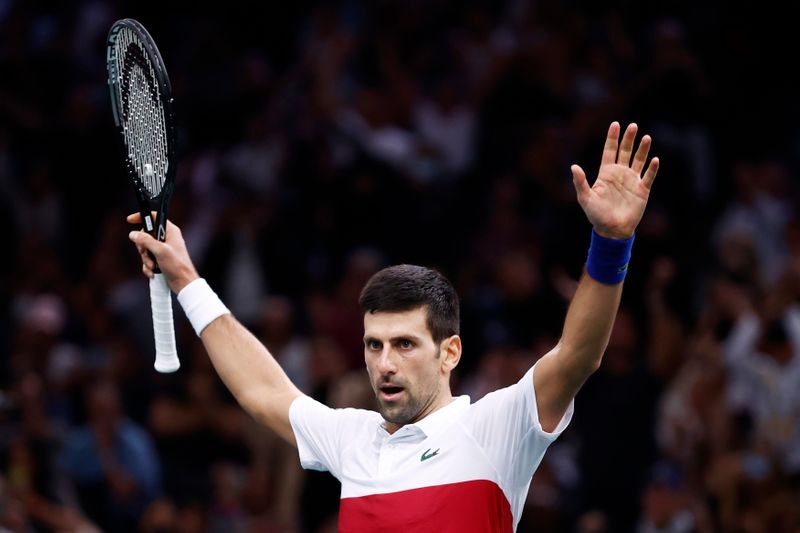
[404,365]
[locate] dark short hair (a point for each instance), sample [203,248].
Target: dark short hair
[405,287]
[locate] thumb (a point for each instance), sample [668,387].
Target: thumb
[579,181]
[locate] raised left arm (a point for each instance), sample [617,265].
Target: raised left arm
[614,205]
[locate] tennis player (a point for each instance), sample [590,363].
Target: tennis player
[428,461]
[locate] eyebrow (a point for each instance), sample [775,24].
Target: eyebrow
[394,339]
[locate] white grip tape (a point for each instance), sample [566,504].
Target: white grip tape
[163,326]
[201,304]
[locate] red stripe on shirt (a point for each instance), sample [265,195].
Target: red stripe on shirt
[469,506]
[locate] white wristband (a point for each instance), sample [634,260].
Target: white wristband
[201,304]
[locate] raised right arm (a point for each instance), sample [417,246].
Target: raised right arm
[245,365]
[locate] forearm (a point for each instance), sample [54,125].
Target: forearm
[587,327]
[594,306]
[560,373]
[250,372]
[244,364]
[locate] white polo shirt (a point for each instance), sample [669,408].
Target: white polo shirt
[464,468]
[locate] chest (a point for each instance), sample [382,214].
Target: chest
[441,484]
[414,460]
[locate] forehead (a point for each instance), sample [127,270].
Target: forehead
[385,324]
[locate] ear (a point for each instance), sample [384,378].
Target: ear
[450,348]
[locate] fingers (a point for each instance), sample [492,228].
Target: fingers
[650,175]
[169,257]
[626,148]
[147,259]
[641,155]
[172,228]
[146,243]
[611,146]
[136,218]
[579,181]
[148,247]
[611,156]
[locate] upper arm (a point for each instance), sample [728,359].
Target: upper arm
[556,383]
[272,410]
[587,329]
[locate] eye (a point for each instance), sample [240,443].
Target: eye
[406,344]
[373,344]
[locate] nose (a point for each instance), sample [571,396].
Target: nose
[385,364]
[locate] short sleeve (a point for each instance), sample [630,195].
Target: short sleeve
[506,425]
[322,433]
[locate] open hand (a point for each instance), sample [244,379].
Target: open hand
[615,203]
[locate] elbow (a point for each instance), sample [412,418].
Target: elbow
[585,367]
[254,404]
[594,364]
[585,360]
[270,407]
[578,371]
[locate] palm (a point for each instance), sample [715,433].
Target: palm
[615,203]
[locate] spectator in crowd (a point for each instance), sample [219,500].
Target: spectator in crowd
[111,462]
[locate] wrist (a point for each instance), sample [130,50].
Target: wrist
[181,283]
[201,304]
[607,261]
[618,235]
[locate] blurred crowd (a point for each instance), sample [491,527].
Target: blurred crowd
[321,141]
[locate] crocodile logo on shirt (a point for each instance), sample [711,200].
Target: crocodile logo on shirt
[427,454]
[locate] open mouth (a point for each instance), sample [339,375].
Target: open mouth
[390,392]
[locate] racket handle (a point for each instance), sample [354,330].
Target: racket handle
[163,327]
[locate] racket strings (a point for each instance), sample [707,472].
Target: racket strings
[143,118]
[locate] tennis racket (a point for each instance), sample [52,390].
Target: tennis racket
[141,99]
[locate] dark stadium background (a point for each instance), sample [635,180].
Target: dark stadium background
[323,140]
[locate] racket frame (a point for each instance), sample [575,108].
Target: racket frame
[158,227]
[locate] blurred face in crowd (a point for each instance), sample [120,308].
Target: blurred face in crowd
[408,370]
[104,403]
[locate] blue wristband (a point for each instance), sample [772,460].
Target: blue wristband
[608,258]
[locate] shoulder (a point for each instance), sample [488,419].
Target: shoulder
[307,408]
[519,392]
